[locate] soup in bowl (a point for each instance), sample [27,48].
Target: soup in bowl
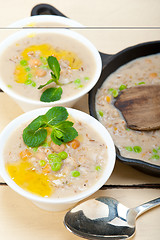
[48,67]
[56,156]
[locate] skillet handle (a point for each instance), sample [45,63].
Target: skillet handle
[105,59]
[46,9]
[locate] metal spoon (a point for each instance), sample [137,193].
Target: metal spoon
[105,218]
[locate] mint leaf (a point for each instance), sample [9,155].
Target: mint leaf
[55,139]
[51,95]
[38,122]
[54,66]
[54,78]
[56,115]
[55,74]
[50,81]
[35,133]
[68,133]
[34,138]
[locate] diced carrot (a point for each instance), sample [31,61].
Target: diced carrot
[115,128]
[108,99]
[74,143]
[25,154]
[153,75]
[46,169]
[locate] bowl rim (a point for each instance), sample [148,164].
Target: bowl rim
[28,116]
[62,32]
[45,19]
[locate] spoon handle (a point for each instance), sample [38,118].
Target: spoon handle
[147,206]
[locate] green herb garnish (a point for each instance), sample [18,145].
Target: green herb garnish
[55,74]
[51,94]
[62,131]
[45,145]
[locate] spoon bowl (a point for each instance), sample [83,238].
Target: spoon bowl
[105,218]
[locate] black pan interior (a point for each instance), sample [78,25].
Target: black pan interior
[112,63]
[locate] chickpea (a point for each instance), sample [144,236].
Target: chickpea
[40,72]
[35,62]
[56,148]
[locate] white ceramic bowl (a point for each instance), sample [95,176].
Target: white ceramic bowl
[28,104]
[53,204]
[45,21]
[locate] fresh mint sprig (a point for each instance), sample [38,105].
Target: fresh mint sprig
[62,131]
[55,74]
[52,94]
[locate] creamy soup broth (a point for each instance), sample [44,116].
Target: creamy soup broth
[87,159]
[24,66]
[132,144]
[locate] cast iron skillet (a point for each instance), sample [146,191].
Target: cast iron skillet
[110,64]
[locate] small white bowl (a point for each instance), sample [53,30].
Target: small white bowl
[45,21]
[28,104]
[53,204]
